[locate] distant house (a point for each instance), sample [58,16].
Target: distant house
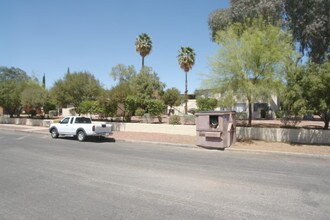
[258,108]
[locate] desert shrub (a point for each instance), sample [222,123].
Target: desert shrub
[241,116]
[139,112]
[279,114]
[174,120]
[189,119]
[147,118]
[290,121]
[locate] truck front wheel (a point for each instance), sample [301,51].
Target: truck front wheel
[81,136]
[54,133]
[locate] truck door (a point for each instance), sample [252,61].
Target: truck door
[63,127]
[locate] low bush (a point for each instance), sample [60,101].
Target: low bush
[189,119]
[174,120]
[139,112]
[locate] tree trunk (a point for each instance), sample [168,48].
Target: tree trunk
[186,94]
[170,111]
[326,120]
[250,113]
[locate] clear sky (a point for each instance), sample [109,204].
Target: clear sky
[46,37]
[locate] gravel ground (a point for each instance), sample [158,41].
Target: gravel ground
[248,145]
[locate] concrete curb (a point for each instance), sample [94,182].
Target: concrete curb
[318,156]
[155,142]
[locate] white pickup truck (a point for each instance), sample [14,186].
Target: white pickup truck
[80,127]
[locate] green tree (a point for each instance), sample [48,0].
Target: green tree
[146,85]
[12,83]
[122,73]
[250,65]
[186,60]
[143,46]
[156,108]
[49,105]
[244,12]
[33,96]
[107,104]
[172,98]
[131,105]
[308,20]
[206,104]
[308,89]
[88,107]
[75,88]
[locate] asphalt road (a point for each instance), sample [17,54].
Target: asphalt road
[44,178]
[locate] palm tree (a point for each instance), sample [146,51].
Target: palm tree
[143,45]
[186,60]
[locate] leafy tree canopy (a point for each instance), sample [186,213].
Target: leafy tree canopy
[308,91]
[33,96]
[146,85]
[122,73]
[172,97]
[250,65]
[75,88]
[12,83]
[307,19]
[206,104]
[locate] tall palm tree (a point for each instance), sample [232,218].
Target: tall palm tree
[186,60]
[143,45]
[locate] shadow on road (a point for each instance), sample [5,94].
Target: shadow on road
[92,139]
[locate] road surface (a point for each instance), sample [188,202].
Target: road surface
[44,178]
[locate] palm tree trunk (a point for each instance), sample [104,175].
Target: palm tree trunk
[186,94]
[142,62]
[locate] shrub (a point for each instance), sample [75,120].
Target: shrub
[189,119]
[139,112]
[241,115]
[146,118]
[174,120]
[279,114]
[290,121]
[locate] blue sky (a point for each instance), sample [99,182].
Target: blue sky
[47,37]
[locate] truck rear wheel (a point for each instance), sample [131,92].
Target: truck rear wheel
[81,136]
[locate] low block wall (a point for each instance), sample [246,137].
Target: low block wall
[156,128]
[301,136]
[25,121]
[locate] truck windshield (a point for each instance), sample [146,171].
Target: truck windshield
[83,120]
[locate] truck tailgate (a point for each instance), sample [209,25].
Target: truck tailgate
[103,128]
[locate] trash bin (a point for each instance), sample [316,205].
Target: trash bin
[216,129]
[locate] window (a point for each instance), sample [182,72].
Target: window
[260,106]
[83,120]
[65,121]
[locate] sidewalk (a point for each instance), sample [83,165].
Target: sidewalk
[189,141]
